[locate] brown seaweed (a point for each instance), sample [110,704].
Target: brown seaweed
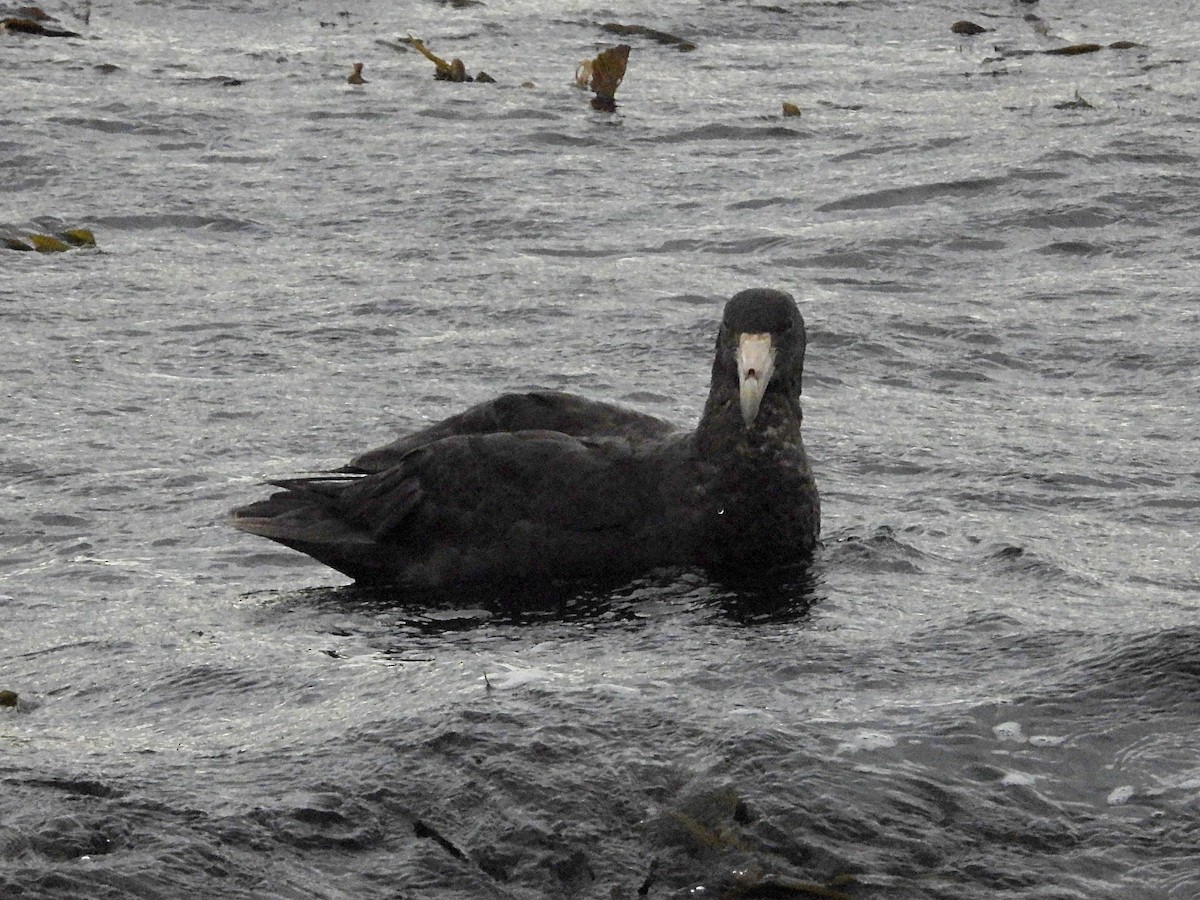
[48,243]
[965,27]
[605,75]
[455,70]
[1073,50]
[29,26]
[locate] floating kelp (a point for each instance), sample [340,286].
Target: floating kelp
[1073,50]
[583,73]
[355,77]
[653,33]
[965,27]
[78,237]
[49,243]
[30,26]
[604,74]
[790,110]
[1068,50]
[454,70]
[442,67]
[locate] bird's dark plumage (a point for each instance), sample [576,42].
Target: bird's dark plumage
[546,485]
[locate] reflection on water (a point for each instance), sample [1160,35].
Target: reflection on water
[785,597]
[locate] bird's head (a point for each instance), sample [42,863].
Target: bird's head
[761,345]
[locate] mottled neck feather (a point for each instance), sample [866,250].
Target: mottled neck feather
[721,429]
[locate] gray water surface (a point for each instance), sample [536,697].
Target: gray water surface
[989,684]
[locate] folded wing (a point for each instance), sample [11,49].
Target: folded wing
[478,507]
[534,411]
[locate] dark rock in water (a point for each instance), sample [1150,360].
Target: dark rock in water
[965,27]
[1077,103]
[536,487]
[9,698]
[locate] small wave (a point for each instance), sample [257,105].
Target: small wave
[1072,248]
[957,376]
[114,126]
[1046,219]
[974,245]
[318,821]
[1013,560]
[722,132]
[327,115]
[577,252]
[519,114]
[744,245]
[909,196]
[763,203]
[152,222]
[1146,157]
[558,139]
[880,551]
[76,787]
[448,114]
[1161,668]
[989,641]
[248,159]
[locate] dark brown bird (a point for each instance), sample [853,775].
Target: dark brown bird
[544,486]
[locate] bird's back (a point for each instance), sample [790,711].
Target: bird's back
[487,507]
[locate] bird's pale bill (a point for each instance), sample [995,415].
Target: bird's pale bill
[756,365]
